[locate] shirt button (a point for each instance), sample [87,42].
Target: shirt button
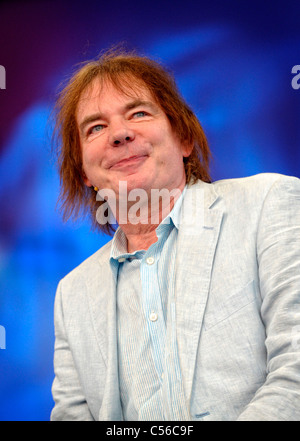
[150,260]
[122,259]
[153,316]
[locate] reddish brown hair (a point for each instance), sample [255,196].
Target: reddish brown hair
[121,68]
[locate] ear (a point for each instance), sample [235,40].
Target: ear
[86,180]
[186,149]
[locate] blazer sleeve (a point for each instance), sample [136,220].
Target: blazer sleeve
[70,403]
[278,254]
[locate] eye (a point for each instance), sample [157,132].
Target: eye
[96,129]
[139,114]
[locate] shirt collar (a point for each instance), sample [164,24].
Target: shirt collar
[175,213]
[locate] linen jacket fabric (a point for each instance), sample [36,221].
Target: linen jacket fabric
[237,294]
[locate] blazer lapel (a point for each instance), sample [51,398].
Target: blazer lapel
[196,249]
[102,298]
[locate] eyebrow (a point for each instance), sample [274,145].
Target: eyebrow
[89,119]
[98,116]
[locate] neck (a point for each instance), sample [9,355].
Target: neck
[143,219]
[138,237]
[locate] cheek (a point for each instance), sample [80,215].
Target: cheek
[86,165]
[91,155]
[89,164]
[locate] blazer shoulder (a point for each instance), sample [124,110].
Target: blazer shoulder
[259,184]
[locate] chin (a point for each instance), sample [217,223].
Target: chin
[136,182]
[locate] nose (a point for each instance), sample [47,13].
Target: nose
[120,135]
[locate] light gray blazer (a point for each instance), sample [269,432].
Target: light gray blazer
[237,309]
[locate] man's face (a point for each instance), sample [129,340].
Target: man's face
[128,138]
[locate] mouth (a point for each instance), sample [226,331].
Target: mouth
[129,162]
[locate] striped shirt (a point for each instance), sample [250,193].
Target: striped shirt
[149,370]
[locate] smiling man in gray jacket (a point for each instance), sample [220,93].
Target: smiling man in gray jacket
[192,311]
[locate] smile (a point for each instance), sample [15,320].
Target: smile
[129,162]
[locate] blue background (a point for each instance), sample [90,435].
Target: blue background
[232,61]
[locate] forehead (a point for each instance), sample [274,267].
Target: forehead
[105,92]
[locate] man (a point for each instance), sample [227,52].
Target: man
[191,312]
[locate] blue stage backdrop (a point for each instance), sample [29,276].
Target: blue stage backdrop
[233,62]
